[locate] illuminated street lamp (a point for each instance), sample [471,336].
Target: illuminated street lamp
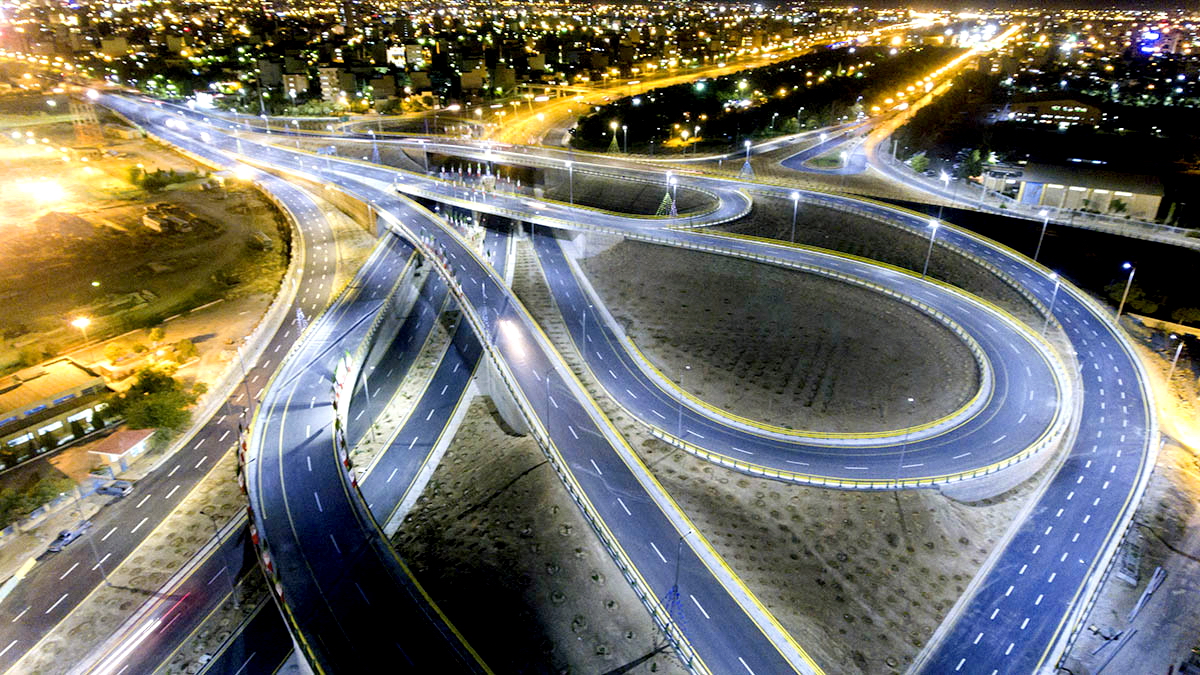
[933,228]
[82,324]
[746,143]
[1053,298]
[625,130]
[1175,360]
[1125,295]
[1045,219]
[614,125]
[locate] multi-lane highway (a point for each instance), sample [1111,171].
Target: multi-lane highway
[61,581]
[1126,459]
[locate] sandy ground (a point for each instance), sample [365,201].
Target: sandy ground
[861,580]
[810,362]
[1167,523]
[826,228]
[84,251]
[496,528]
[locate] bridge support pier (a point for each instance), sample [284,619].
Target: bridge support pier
[490,384]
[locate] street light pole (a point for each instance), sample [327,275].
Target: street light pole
[945,186]
[625,129]
[91,542]
[1053,298]
[795,203]
[682,379]
[82,324]
[1125,295]
[933,227]
[904,445]
[1045,219]
[237,603]
[1175,360]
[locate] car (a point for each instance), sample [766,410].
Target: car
[66,537]
[117,488]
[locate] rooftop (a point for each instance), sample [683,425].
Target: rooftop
[1083,175]
[44,381]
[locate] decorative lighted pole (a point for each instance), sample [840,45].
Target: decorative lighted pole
[1125,295]
[1175,360]
[82,324]
[904,445]
[933,227]
[614,126]
[1053,299]
[795,204]
[945,178]
[746,144]
[1045,219]
[625,131]
[682,378]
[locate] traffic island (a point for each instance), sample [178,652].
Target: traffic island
[795,350]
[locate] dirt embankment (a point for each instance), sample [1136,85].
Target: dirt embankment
[495,528]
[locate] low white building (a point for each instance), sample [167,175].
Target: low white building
[1079,187]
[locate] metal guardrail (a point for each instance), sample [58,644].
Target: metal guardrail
[1100,222]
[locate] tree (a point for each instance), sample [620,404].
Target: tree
[186,350]
[919,162]
[1137,301]
[167,410]
[1118,206]
[113,351]
[155,401]
[32,354]
[1189,315]
[156,335]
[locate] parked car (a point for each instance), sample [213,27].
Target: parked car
[117,488]
[67,536]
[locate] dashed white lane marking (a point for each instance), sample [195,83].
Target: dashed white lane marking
[56,604]
[660,555]
[626,508]
[597,467]
[171,492]
[139,525]
[108,535]
[698,606]
[202,460]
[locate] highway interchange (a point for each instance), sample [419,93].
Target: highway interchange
[1051,563]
